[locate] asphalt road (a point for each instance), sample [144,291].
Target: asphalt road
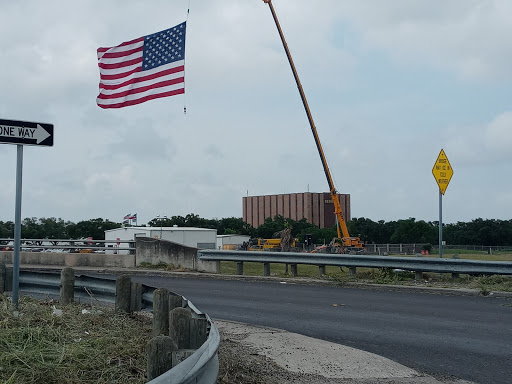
[460,336]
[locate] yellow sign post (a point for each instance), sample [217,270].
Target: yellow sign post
[443,173]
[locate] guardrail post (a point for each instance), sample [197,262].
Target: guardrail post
[266,269]
[161,299]
[455,275]
[352,271]
[2,277]
[239,268]
[136,297]
[198,330]
[123,293]
[67,286]
[160,351]
[418,275]
[294,270]
[321,270]
[179,327]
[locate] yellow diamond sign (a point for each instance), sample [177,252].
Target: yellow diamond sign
[442,171]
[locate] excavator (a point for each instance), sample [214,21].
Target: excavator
[344,242]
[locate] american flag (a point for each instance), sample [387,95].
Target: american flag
[143,69]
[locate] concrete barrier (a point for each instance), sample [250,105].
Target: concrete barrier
[149,250]
[155,251]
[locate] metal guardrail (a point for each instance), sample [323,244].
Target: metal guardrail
[202,367]
[38,245]
[418,264]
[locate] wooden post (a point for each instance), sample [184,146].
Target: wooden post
[198,332]
[266,269]
[161,311]
[239,268]
[67,286]
[321,270]
[136,297]
[352,271]
[123,293]
[160,351]
[2,277]
[294,270]
[179,327]
[9,276]
[175,301]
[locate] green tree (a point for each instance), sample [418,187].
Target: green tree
[94,228]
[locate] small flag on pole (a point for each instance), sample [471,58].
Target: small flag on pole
[143,69]
[127,217]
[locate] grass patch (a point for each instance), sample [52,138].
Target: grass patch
[493,283]
[163,267]
[485,284]
[473,255]
[277,270]
[97,347]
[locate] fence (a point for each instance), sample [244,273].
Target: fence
[412,249]
[417,264]
[198,365]
[77,245]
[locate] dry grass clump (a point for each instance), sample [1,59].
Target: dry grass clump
[100,346]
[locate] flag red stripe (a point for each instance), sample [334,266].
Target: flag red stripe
[120,75]
[142,89]
[121,64]
[141,78]
[138,40]
[143,99]
[112,55]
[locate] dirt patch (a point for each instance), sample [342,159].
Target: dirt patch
[241,364]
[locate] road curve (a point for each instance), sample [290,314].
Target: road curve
[460,336]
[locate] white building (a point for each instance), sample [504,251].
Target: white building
[231,242]
[202,238]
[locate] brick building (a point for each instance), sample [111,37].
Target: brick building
[317,208]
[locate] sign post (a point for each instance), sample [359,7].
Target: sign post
[22,133]
[443,173]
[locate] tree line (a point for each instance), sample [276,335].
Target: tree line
[52,228]
[476,232]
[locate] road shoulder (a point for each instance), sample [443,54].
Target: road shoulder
[253,354]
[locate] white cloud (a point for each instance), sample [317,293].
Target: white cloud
[245,127]
[468,38]
[498,135]
[485,144]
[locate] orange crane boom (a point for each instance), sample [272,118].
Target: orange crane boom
[341,226]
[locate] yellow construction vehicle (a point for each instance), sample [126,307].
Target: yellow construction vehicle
[268,244]
[344,239]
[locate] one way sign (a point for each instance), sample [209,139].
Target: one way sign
[26,133]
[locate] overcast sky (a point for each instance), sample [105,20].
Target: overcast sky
[389,85]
